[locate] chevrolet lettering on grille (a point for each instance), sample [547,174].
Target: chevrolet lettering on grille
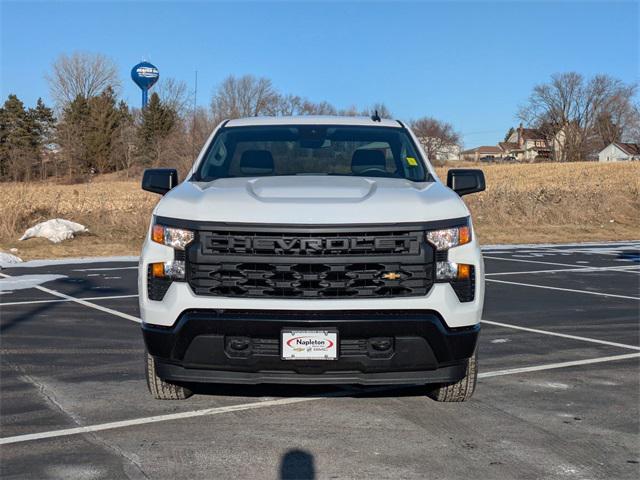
[312,245]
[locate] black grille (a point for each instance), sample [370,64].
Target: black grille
[310,265]
[320,280]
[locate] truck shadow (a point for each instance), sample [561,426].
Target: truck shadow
[291,391]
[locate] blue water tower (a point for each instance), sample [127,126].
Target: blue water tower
[145,75]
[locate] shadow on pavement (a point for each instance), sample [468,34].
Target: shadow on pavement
[287,391]
[297,464]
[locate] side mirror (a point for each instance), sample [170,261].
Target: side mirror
[159,180]
[464,181]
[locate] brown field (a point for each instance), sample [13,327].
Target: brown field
[533,203]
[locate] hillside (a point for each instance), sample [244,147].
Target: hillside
[532,203]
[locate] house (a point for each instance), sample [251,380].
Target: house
[527,144]
[618,151]
[449,153]
[475,154]
[446,152]
[523,144]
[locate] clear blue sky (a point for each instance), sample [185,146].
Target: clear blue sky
[469,63]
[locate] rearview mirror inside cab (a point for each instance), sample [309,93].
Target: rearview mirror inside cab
[159,180]
[464,181]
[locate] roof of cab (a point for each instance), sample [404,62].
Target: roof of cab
[312,120]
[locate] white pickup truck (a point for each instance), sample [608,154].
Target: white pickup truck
[311,250]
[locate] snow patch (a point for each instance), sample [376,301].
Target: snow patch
[55,230]
[22,282]
[7,259]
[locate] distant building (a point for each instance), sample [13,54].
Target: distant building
[523,145]
[618,151]
[447,153]
[527,144]
[475,154]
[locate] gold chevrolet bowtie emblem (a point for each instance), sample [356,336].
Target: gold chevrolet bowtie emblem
[391,276]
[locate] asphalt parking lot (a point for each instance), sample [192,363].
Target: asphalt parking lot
[558,394]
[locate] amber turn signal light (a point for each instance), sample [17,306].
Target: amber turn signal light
[157,270]
[464,235]
[464,271]
[157,234]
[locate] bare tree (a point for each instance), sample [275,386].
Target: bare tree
[381,108]
[322,108]
[632,132]
[351,111]
[249,96]
[435,136]
[290,105]
[295,105]
[246,96]
[580,115]
[174,94]
[199,124]
[81,74]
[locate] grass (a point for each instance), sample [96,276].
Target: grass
[528,203]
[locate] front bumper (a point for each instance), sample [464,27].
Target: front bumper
[198,348]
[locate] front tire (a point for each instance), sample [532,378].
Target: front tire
[459,391]
[161,389]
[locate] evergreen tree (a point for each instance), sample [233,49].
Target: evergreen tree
[105,120]
[156,124]
[44,121]
[72,133]
[89,133]
[18,140]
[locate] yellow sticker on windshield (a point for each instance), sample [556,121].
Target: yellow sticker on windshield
[412,162]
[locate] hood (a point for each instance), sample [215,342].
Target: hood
[311,200]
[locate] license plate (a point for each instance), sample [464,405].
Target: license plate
[309,344]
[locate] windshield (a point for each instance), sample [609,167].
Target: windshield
[312,150]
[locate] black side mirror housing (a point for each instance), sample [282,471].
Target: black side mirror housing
[159,180]
[464,181]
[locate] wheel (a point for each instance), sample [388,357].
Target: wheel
[161,389]
[459,391]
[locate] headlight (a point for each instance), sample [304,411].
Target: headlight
[452,271]
[177,238]
[449,237]
[174,270]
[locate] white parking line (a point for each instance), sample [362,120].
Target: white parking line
[581,245]
[272,403]
[627,269]
[552,366]
[557,334]
[61,300]
[82,302]
[163,418]
[103,269]
[590,251]
[536,261]
[587,292]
